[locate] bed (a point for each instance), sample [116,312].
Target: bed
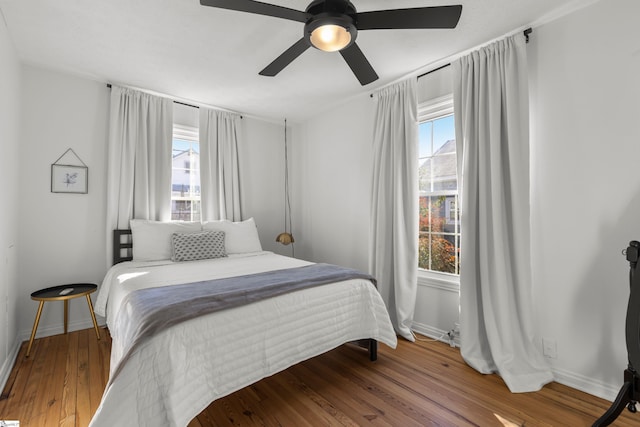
[166,370]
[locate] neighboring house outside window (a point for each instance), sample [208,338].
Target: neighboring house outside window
[185,174]
[439,228]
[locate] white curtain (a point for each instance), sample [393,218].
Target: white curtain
[492,133]
[139,158]
[219,171]
[393,257]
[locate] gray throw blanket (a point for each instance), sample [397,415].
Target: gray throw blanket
[155,309]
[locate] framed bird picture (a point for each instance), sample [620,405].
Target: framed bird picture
[69,179]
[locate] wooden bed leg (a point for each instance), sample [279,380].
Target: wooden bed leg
[373,350]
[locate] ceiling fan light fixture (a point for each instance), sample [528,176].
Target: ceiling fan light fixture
[330,32]
[330,38]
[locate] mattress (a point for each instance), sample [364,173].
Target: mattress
[176,374]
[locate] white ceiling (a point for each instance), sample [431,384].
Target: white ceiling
[212,56]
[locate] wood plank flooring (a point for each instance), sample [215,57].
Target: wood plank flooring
[421,384]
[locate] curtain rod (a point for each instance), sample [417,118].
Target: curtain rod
[178,102]
[184,103]
[174,101]
[526,35]
[434,70]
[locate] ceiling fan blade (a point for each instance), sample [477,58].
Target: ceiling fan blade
[286,58]
[419,17]
[359,65]
[259,8]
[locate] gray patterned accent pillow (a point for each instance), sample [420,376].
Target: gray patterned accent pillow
[195,246]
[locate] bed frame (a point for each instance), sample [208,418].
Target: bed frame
[123,251]
[122,244]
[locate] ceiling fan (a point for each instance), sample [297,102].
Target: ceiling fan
[332,25]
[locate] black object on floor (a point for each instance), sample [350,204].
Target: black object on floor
[629,394]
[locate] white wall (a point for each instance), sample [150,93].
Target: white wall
[10,145]
[62,236]
[331,184]
[186,115]
[261,154]
[585,147]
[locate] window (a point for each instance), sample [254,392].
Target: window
[439,228]
[185,174]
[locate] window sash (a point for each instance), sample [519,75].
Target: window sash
[185,203]
[430,111]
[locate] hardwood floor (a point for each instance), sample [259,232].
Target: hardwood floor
[421,384]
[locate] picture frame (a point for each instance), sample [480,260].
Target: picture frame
[69,179]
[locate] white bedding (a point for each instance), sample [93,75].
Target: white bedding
[174,376]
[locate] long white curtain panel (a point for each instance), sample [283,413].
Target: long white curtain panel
[393,256]
[492,136]
[219,170]
[139,158]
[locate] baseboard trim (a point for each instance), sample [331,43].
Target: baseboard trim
[47,331]
[588,385]
[7,366]
[434,333]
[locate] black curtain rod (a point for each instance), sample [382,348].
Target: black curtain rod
[188,105]
[177,102]
[434,70]
[526,35]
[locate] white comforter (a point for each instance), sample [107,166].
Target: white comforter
[174,376]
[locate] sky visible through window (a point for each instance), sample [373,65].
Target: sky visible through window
[180,145]
[443,131]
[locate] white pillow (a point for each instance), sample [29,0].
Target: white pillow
[240,237]
[152,239]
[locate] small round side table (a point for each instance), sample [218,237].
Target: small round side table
[63,293]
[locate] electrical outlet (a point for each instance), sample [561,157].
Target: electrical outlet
[549,348]
[454,334]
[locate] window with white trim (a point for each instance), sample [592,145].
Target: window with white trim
[439,228]
[185,174]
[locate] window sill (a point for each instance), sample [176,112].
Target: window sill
[443,281]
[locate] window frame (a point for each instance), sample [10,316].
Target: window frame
[191,134]
[430,110]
